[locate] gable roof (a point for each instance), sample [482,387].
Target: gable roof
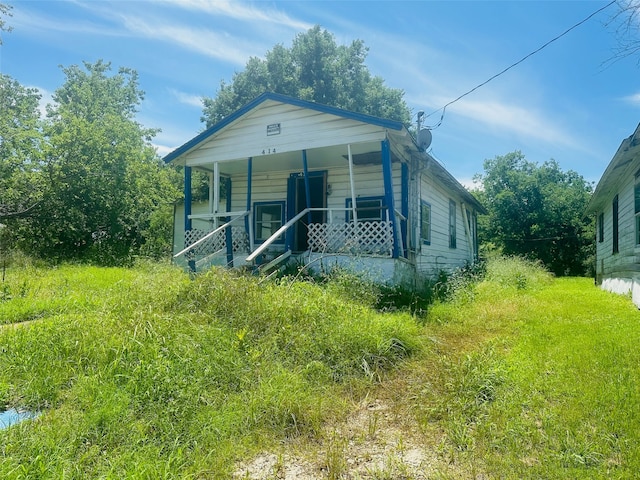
[202,137]
[624,163]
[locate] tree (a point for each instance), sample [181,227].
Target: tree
[315,68]
[5,11]
[21,143]
[627,29]
[104,178]
[537,211]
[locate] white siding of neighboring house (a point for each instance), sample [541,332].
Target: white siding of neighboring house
[618,272]
[437,256]
[300,128]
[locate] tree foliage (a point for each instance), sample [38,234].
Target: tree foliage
[104,183]
[5,11]
[316,69]
[21,143]
[537,211]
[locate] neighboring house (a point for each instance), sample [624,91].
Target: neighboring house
[616,205]
[325,187]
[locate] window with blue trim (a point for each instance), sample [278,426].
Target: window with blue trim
[425,223]
[268,217]
[368,209]
[452,224]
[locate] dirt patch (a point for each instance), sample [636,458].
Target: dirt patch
[375,442]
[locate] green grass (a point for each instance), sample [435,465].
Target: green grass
[145,373]
[537,379]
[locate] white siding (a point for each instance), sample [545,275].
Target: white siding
[438,256]
[619,272]
[300,129]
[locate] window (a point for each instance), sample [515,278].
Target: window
[636,195]
[601,227]
[268,219]
[615,224]
[452,224]
[425,223]
[368,209]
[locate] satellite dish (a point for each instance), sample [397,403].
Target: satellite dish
[424,138]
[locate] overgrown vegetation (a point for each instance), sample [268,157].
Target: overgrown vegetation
[145,373]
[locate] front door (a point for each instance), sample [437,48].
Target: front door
[298,202]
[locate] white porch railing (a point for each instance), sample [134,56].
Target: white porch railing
[198,242]
[362,238]
[352,238]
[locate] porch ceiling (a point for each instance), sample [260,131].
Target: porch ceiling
[317,158]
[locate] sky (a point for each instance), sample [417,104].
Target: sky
[571,101]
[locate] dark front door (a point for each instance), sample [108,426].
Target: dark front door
[317,198]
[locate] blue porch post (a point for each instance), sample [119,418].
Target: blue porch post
[388,193]
[187,208]
[249,218]
[228,232]
[305,169]
[404,208]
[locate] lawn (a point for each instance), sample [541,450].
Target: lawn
[146,373]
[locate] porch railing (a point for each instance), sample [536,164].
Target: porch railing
[199,242]
[362,237]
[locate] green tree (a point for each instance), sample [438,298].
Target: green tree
[315,68]
[5,11]
[105,181]
[21,142]
[537,211]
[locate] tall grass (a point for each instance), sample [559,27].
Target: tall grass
[536,378]
[143,373]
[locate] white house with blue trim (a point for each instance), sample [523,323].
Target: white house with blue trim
[323,186]
[616,206]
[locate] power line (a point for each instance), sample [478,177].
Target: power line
[444,108]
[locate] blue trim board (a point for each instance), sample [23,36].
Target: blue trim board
[228,232]
[404,207]
[187,198]
[276,97]
[247,219]
[307,191]
[388,193]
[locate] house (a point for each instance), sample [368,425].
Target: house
[322,186]
[616,206]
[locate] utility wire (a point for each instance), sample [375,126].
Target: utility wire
[444,108]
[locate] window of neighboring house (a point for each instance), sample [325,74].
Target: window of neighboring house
[601,227]
[615,224]
[425,223]
[636,195]
[267,220]
[368,209]
[452,224]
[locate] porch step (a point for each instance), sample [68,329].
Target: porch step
[275,262]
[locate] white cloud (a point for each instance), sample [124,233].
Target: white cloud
[244,12]
[45,98]
[519,120]
[633,99]
[163,150]
[187,98]
[207,42]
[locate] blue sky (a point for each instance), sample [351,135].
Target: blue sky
[567,102]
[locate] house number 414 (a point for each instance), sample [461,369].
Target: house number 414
[267,151]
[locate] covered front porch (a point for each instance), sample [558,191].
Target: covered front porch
[342,202]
